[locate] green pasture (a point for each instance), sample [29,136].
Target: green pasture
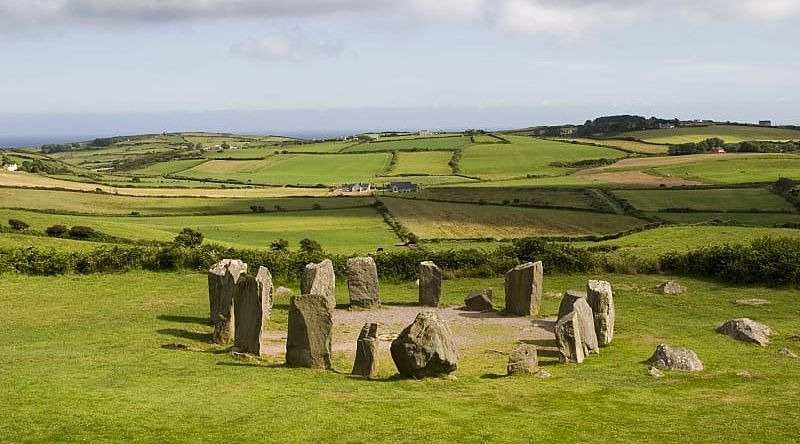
[170,167]
[423,162]
[87,359]
[424,143]
[728,133]
[627,145]
[573,198]
[528,156]
[424,181]
[755,219]
[19,240]
[733,199]
[736,170]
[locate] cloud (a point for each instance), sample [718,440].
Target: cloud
[294,47]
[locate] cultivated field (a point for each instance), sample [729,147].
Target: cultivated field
[733,199]
[728,133]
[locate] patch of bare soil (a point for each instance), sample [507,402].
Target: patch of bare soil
[470,329]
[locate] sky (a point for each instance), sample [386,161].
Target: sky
[106,67]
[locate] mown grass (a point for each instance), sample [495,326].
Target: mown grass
[628,145]
[572,198]
[528,156]
[426,143]
[423,162]
[442,220]
[736,170]
[82,360]
[728,133]
[172,166]
[741,199]
[19,240]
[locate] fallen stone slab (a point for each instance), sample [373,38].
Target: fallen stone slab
[430,284]
[362,283]
[310,332]
[523,360]
[366,361]
[600,297]
[479,300]
[671,287]
[523,289]
[746,330]
[320,279]
[425,348]
[568,338]
[674,358]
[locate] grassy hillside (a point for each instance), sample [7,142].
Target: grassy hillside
[737,170]
[428,162]
[422,143]
[741,199]
[728,133]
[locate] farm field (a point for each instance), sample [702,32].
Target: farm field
[468,221]
[573,198]
[728,133]
[528,156]
[423,143]
[423,162]
[162,168]
[755,219]
[426,180]
[627,145]
[94,365]
[734,199]
[300,169]
[15,240]
[737,170]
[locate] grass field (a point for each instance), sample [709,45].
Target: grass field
[304,169]
[426,180]
[585,199]
[14,240]
[427,143]
[172,166]
[741,199]
[737,170]
[355,230]
[755,219]
[423,162]
[527,156]
[627,145]
[83,360]
[728,133]
[468,221]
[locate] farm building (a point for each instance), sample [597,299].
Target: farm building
[401,187]
[718,150]
[568,130]
[355,187]
[765,123]
[10,167]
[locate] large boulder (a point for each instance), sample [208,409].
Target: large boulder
[217,286]
[523,360]
[430,284]
[671,287]
[575,301]
[523,285]
[366,362]
[600,297]
[746,330]
[674,358]
[252,305]
[362,282]
[568,338]
[320,279]
[308,342]
[479,300]
[425,348]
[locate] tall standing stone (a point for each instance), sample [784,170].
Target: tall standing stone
[362,282]
[575,301]
[524,289]
[264,278]
[320,279]
[308,342]
[225,317]
[430,284]
[601,299]
[425,348]
[250,308]
[366,362]
[216,284]
[568,338]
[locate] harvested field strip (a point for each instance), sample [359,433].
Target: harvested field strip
[710,200]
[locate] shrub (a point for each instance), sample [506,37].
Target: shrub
[310,246]
[81,232]
[189,238]
[17,225]
[57,231]
[279,245]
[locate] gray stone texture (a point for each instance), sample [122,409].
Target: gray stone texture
[366,362]
[320,279]
[362,282]
[523,360]
[568,338]
[674,358]
[746,330]
[523,288]
[430,284]
[575,301]
[308,342]
[217,290]
[251,309]
[425,348]
[671,287]
[479,300]
[600,297]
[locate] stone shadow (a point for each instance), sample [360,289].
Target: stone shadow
[185,319]
[185,334]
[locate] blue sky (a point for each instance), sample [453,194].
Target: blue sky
[113,66]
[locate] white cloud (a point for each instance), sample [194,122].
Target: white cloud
[294,47]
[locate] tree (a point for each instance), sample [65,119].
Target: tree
[17,224]
[56,231]
[189,238]
[279,245]
[310,246]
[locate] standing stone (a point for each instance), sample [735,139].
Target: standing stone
[366,363]
[425,348]
[568,338]
[523,360]
[575,301]
[320,279]
[224,325]
[524,289]
[673,358]
[308,342]
[216,287]
[362,282]
[264,278]
[250,308]
[430,284]
[746,330]
[600,297]
[479,300]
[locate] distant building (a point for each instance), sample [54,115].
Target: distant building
[10,167]
[424,133]
[568,130]
[719,150]
[665,126]
[765,123]
[402,187]
[356,187]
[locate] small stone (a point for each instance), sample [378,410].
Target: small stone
[674,358]
[284,292]
[788,353]
[479,300]
[746,330]
[542,374]
[752,302]
[430,284]
[568,338]
[366,361]
[425,348]
[523,359]
[362,283]
[744,374]
[523,289]
[654,372]
[671,287]
[320,279]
